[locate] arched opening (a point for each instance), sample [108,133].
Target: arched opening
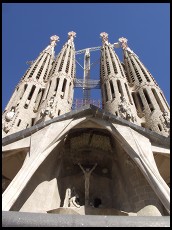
[59,183]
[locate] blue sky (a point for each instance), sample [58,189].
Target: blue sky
[27,27]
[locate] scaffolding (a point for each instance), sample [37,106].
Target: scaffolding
[86,83]
[77,103]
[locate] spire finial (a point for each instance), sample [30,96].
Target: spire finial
[104,37]
[53,40]
[71,35]
[123,42]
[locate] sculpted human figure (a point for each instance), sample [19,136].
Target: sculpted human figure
[49,108]
[71,198]
[74,201]
[9,116]
[167,118]
[9,119]
[67,198]
[87,173]
[125,111]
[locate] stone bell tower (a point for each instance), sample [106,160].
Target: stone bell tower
[151,105]
[105,162]
[58,95]
[116,96]
[22,108]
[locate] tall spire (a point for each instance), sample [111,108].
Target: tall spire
[71,36]
[104,37]
[115,94]
[50,48]
[152,107]
[53,40]
[123,42]
[58,95]
[21,110]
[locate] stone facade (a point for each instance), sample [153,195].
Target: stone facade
[46,89]
[125,181]
[145,103]
[110,161]
[59,92]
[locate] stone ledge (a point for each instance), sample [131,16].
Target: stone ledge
[82,210]
[25,219]
[84,111]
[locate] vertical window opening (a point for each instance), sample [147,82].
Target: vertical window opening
[38,99]
[31,92]
[48,90]
[140,101]
[64,85]
[43,90]
[25,87]
[112,89]
[158,100]
[160,128]
[130,71]
[38,95]
[19,122]
[120,88]
[29,97]
[73,71]
[59,112]
[68,62]
[128,94]
[57,83]
[148,99]
[32,121]
[69,93]
[137,101]
[108,68]
[106,95]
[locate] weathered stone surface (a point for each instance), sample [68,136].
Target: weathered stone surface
[24,219]
[89,161]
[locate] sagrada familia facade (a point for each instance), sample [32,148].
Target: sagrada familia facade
[113,160]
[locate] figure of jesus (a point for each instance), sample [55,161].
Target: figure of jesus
[87,173]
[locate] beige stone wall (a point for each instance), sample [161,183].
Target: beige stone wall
[42,191]
[131,190]
[121,187]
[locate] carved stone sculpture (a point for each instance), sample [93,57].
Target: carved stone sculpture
[167,119]
[9,116]
[125,111]
[87,173]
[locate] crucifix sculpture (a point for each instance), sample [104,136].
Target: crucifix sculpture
[87,173]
